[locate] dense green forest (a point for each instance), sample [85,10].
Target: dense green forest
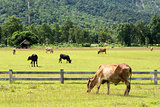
[127,22]
[84,13]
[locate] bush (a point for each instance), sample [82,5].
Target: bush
[18,37]
[2,45]
[101,45]
[86,45]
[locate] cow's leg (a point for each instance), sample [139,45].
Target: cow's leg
[34,63]
[98,86]
[37,63]
[105,52]
[60,60]
[31,64]
[126,93]
[108,86]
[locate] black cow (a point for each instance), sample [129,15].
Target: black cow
[33,59]
[65,57]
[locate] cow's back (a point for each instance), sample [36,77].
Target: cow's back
[108,71]
[114,72]
[34,57]
[103,49]
[63,56]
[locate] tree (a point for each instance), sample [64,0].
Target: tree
[93,35]
[56,31]
[141,33]
[0,34]
[125,33]
[11,25]
[154,26]
[65,30]
[103,36]
[33,29]
[86,36]
[79,35]
[45,33]
[18,37]
[72,35]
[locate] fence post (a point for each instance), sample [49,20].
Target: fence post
[62,76]
[10,76]
[155,77]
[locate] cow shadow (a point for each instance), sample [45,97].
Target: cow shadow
[40,66]
[129,96]
[36,66]
[119,95]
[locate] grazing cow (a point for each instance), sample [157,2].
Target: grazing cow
[33,59]
[49,49]
[111,73]
[65,57]
[151,49]
[14,51]
[102,50]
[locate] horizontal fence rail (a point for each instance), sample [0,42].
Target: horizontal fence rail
[11,78]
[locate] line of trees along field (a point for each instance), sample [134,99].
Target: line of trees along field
[13,32]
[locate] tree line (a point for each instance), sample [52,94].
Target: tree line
[13,32]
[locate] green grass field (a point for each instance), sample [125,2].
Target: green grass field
[73,93]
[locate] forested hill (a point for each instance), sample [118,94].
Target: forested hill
[84,13]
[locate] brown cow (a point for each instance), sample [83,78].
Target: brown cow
[49,49]
[151,49]
[111,73]
[14,51]
[102,50]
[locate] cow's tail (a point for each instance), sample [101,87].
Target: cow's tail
[130,74]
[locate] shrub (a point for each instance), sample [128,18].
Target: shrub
[86,45]
[18,37]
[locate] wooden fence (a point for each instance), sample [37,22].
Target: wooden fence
[11,78]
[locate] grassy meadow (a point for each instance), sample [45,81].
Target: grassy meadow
[73,93]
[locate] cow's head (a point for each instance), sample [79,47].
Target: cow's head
[90,84]
[70,61]
[30,57]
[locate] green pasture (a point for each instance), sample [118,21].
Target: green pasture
[73,93]
[82,59]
